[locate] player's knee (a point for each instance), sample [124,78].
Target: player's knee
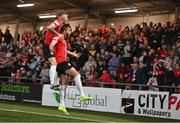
[76,74]
[53,61]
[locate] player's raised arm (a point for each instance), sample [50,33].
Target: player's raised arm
[77,55]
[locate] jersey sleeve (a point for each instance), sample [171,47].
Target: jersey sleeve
[56,23]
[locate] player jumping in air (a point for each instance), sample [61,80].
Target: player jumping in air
[64,67]
[53,34]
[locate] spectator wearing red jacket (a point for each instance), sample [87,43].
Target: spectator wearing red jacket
[107,78]
[163,52]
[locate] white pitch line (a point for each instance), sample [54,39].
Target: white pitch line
[53,115]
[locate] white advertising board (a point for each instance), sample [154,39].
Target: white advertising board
[106,100]
[174,106]
[150,103]
[145,103]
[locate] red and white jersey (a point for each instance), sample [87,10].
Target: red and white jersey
[61,50]
[153,81]
[57,24]
[156,68]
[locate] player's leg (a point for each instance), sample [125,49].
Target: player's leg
[50,57]
[52,73]
[62,93]
[77,78]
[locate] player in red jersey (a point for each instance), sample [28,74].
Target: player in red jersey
[53,33]
[65,68]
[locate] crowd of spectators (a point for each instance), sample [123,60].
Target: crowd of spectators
[23,59]
[109,54]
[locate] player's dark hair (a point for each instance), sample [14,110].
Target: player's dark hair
[64,27]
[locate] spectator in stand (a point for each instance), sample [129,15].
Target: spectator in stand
[113,64]
[135,59]
[103,44]
[138,49]
[100,67]
[141,37]
[150,60]
[168,70]
[173,56]
[16,76]
[163,52]
[143,42]
[44,74]
[32,65]
[169,34]
[143,75]
[119,32]
[106,58]
[28,78]
[37,72]
[92,77]
[121,71]
[102,51]
[143,57]
[127,53]
[120,47]
[4,47]
[83,58]
[92,50]
[1,36]
[176,78]
[106,77]
[109,45]
[23,72]
[135,75]
[37,58]
[97,57]
[153,81]
[7,36]
[158,71]
[88,64]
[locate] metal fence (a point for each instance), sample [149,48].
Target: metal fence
[130,86]
[20,80]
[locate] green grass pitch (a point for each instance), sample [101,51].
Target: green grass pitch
[25,112]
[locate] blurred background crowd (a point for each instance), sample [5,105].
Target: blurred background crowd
[146,54]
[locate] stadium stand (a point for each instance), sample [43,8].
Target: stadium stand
[108,54]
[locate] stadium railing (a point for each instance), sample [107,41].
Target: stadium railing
[21,80]
[130,86]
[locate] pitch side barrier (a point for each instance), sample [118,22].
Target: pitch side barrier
[129,86]
[135,102]
[20,92]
